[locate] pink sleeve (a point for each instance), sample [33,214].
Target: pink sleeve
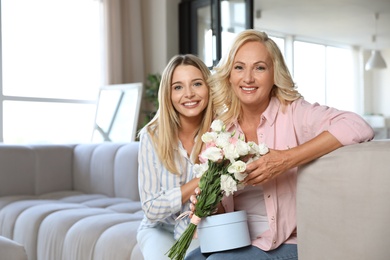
[313,119]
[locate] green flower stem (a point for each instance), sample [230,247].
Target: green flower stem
[210,186]
[208,199]
[179,248]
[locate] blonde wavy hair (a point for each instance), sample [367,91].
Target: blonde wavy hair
[164,127]
[226,103]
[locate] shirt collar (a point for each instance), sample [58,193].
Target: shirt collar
[269,114]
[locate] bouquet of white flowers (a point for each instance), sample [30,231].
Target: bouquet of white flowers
[221,173]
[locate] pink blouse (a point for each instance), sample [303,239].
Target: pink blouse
[299,123]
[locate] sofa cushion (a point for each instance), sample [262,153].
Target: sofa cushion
[83,237]
[54,229]
[34,170]
[109,168]
[25,221]
[28,223]
[71,201]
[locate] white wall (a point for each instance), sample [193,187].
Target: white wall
[161,33]
[161,36]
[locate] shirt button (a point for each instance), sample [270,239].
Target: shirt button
[274,241]
[269,196]
[273,218]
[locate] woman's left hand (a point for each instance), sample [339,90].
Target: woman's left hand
[267,167]
[277,162]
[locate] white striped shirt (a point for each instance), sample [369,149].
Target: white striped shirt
[159,189]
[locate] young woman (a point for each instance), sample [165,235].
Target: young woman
[255,96]
[169,147]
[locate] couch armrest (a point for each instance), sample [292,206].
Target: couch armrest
[343,207]
[11,250]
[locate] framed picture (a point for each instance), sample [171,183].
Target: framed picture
[117,113]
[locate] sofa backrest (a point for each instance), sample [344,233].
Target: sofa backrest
[104,168]
[343,206]
[35,169]
[107,168]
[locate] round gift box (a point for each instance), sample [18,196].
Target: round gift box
[223,232]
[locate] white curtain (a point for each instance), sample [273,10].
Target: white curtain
[123,41]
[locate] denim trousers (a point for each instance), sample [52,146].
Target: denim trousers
[283,252]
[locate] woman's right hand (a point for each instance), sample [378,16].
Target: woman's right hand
[193,201]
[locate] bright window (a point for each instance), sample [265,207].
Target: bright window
[341,89]
[51,69]
[325,75]
[309,71]
[280,42]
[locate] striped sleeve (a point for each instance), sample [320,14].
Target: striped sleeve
[159,189]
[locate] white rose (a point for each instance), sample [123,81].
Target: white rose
[242,148]
[222,139]
[217,125]
[254,148]
[230,152]
[238,166]
[263,149]
[212,153]
[240,176]
[209,137]
[228,184]
[200,169]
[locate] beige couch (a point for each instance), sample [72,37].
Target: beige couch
[69,201]
[81,202]
[343,206]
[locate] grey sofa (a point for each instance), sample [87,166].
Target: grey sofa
[81,202]
[70,201]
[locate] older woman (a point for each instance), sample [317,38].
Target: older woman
[255,95]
